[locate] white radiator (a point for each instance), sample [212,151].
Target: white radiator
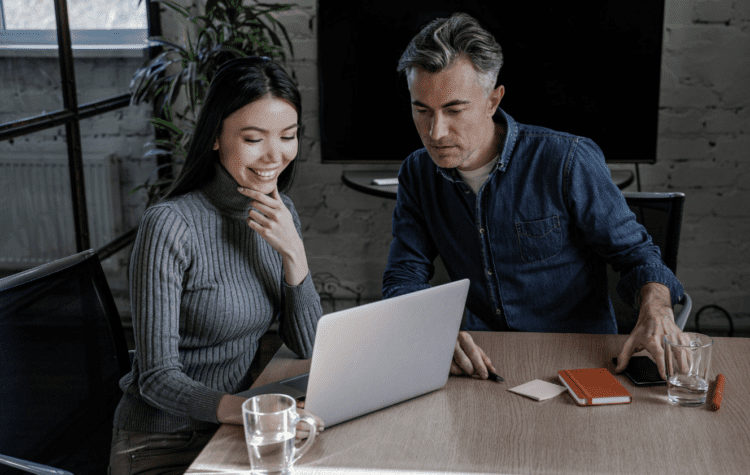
[36,210]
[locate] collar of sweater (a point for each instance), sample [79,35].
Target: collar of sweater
[222,192]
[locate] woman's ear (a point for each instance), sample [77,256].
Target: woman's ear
[216,144]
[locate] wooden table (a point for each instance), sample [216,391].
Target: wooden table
[472,426]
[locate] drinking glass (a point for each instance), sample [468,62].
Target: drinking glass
[688,357]
[270,422]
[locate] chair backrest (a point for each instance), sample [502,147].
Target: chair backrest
[62,353]
[661,215]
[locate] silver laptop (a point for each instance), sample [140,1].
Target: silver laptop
[370,357]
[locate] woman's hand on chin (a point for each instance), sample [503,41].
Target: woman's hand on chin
[270,218]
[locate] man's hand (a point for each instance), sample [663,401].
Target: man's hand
[469,359]
[655,320]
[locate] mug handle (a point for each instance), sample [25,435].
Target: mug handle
[300,451]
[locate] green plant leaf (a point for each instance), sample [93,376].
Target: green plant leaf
[168,124]
[145,78]
[166,42]
[274,37]
[156,152]
[174,91]
[182,11]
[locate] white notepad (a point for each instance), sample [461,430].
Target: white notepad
[538,390]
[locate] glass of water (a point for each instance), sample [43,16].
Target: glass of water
[270,427]
[688,358]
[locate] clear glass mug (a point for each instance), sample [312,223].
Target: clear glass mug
[688,360]
[270,422]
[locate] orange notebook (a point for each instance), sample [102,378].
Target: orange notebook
[593,386]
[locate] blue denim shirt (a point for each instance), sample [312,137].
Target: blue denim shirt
[533,241]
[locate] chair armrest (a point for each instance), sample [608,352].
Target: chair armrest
[31,467]
[681,318]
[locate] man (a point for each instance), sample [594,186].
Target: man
[528,214]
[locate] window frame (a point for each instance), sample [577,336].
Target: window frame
[81,39]
[18,41]
[71,115]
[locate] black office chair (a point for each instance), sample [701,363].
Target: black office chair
[661,215]
[62,353]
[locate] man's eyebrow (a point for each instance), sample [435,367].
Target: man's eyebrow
[264,131]
[456,102]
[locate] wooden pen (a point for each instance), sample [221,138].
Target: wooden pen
[718,393]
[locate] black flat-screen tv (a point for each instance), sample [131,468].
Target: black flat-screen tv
[587,68]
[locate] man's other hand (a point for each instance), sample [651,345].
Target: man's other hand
[469,359]
[655,321]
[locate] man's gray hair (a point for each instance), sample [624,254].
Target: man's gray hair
[444,40]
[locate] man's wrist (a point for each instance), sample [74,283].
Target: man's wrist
[652,297]
[654,293]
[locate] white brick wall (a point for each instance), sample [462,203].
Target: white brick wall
[704,147]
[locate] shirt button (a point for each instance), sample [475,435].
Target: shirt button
[481,230]
[497,311]
[489,272]
[467,191]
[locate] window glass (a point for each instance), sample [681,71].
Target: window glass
[29,87]
[29,14]
[36,208]
[112,145]
[82,14]
[101,78]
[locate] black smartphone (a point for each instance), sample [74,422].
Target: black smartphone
[642,371]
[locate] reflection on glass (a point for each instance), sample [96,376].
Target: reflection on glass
[29,14]
[112,145]
[30,87]
[82,14]
[36,209]
[99,78]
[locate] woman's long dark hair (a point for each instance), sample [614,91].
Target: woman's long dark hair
[238,82]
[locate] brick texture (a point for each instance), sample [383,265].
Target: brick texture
[704,150]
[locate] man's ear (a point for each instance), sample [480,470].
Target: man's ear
[495,97]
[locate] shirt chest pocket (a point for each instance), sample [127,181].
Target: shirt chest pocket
[539,240]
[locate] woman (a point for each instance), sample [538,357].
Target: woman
[213,265]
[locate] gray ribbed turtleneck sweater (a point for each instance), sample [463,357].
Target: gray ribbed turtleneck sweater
[204,287]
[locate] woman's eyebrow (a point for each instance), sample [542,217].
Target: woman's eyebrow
[264,131]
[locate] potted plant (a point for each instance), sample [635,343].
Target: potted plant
[227,29]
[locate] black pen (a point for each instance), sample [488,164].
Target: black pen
[495,377]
